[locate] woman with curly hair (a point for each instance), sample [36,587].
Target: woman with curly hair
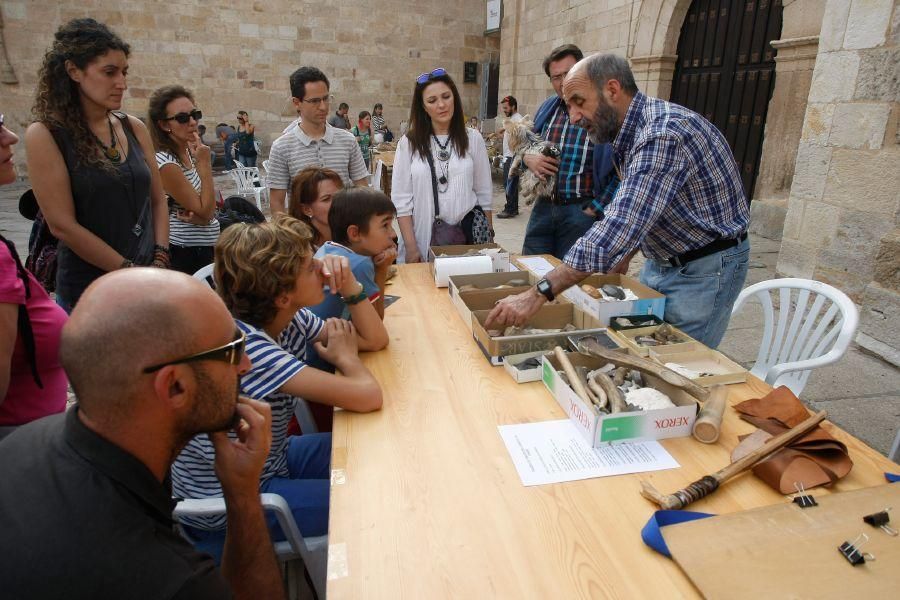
[185,167]
[93,168]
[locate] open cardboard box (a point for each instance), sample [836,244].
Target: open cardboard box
[599,428]
[649,302]
[628,339]
[454,263]
[484,297]
[524,375]
[549,316]
[702,359]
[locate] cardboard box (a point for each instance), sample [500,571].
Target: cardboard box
[635,320]
[628,339]
[455,263]
[549,316]
[602,337]
[649,302]
[485,297]
[702,359]
[519,375]
[600,428]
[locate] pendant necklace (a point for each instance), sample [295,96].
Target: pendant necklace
[111,152]
[443,149]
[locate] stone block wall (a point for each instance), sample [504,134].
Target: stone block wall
[843,219]
[239,56]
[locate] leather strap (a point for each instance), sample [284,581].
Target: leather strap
[710,248]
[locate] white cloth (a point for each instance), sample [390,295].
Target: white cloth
[469,183]
[507,153]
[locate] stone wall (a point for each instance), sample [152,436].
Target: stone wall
[844,206]
[240,55]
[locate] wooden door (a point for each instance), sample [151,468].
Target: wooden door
[726,71]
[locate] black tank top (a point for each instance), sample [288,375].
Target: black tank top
[114,205]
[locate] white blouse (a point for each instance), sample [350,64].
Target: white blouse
[469,183]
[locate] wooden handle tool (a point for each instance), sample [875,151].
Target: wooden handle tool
[709,421]
[710,483]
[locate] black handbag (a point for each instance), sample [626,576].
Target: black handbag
[442,233]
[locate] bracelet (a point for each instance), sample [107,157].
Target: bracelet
[356,298]
[126,263]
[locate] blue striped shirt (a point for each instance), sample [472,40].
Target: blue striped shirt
[681,189]
[273,364]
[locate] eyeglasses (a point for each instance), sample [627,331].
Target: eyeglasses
[559,77]
[184,117]
[315,101]
[426,77]
[231,353]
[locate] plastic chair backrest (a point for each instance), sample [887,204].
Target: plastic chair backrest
[313,550]
[245,178]
[205,274]
[812,326]
[265,165]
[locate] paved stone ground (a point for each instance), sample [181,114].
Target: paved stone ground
[860,392]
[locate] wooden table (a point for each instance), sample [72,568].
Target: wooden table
[426,502]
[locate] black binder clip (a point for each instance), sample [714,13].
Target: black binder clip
[881,520]
[803,499]
[852,550]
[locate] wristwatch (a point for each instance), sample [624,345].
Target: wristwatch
[544,287]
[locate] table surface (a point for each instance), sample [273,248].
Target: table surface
[426,502]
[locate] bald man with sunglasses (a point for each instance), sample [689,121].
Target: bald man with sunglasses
[85,505]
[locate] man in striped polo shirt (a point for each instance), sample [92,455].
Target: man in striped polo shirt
[313,143]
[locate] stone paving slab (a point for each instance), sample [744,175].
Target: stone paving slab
[861,392]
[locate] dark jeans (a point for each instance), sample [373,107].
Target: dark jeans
[190,259]
[552,229]
[512,188]
[247,161]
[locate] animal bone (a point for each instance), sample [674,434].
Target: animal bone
[613,291]
[591,291]
[616,401]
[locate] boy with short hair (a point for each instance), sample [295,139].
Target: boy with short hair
[362,230]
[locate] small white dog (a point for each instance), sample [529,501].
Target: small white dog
[523,141]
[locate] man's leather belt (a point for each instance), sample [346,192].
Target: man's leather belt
[710,248]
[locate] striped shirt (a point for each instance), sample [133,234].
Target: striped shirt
[575,180]
[295,151]
[273,364]
[181,233]
[378,124]
[681,189]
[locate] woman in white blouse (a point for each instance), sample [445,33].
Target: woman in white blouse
[461,166]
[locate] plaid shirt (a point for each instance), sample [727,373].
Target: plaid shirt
[575,181]
[681,189]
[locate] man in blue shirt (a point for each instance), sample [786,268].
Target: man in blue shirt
[556,222]
[680,201]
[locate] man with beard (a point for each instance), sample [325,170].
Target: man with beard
[557,221]
[680,201]
[85,505]
[510,107]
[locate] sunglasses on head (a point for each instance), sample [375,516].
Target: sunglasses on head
[231,353]
[426,77]
[184,117]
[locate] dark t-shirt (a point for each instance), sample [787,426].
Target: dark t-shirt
[82,518]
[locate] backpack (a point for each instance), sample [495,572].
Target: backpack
[238,210]
[42,244]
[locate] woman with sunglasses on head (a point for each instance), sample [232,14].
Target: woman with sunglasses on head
[185,167]
[32,381]
[440,156]
[93,170]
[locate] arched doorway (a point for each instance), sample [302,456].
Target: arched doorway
[725,70]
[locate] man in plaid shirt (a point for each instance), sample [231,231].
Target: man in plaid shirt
[680,201]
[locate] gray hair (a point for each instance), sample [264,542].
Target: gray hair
[603,67]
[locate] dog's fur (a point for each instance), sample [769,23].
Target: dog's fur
[523,141]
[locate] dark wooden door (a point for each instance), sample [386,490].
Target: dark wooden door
[726,71]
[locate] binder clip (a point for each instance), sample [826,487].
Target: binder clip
[852,552]
[881,520]
[803,499]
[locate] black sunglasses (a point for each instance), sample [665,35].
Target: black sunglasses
[183,117]
[232,353]
[426,77]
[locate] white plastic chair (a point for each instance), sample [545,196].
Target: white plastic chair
[206,274]
[814,325]
[313,551]
[265,165]
[894,454]
[245,179]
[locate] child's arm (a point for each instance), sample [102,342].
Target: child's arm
[383,264]
[353,389]
[369,326]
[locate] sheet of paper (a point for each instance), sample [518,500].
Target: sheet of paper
[554,451]
[537,265]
